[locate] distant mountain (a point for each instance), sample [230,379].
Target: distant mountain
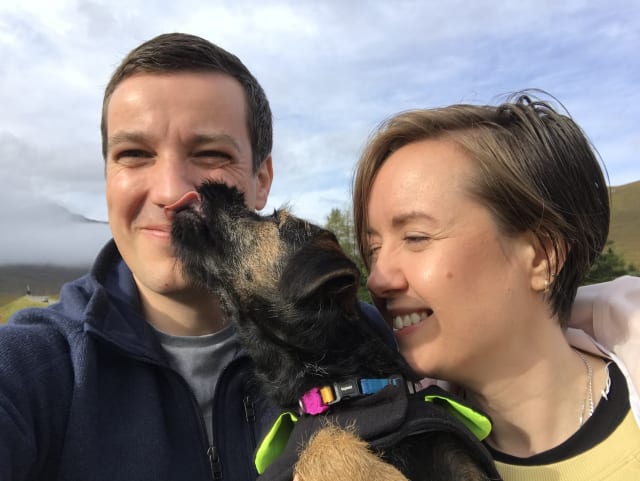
[83,219]
[42,280]
[63,213]
[625,221]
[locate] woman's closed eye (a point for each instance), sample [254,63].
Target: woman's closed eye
[372,251]
[416,238]
[416,242]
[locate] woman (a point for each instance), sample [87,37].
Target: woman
[477,224]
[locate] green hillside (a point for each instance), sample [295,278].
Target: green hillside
[20,303]
[43,280]
[625,221]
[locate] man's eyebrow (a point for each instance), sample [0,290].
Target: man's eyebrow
[198,139]
[224,138]
[125,136]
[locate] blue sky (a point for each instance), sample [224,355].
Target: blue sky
[332,70]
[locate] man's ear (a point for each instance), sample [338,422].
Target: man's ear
[263,179]
[546,260]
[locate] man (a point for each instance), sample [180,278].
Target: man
[134,374]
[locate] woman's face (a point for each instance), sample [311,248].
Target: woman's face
[440,266]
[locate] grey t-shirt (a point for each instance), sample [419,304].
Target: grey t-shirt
[200,360]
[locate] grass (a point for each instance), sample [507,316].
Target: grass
[6,298]
[20,303]
[625,221]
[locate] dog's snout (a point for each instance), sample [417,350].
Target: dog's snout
[190,200]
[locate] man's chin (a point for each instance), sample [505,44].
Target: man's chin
[168,284]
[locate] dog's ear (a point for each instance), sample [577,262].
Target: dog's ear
[321,273]
[338,285]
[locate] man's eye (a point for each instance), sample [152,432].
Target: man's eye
[212,158]
[215,154]
[133,153]
[132,156]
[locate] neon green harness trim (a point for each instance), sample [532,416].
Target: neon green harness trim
[477,423]
[275,441]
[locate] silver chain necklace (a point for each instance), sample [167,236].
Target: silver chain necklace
[587,404]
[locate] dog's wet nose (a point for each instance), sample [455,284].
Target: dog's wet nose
[190,200]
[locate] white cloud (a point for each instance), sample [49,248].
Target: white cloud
[331,69]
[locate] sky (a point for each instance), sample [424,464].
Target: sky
[333,70]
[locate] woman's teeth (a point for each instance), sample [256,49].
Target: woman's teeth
[407,320]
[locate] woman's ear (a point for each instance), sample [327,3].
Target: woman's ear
[546,261]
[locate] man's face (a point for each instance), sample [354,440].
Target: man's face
[166,134]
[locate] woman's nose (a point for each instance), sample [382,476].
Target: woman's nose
[386,276]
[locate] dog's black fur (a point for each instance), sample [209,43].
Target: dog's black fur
[291,292]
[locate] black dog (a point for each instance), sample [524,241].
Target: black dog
[291,292]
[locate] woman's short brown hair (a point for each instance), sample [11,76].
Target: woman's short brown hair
[535,171]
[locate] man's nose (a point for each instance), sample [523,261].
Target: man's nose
[386,276]
[172,178]
[190,200]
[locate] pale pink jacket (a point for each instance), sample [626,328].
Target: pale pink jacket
[606,321]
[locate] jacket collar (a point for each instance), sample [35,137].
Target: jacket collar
[113,312]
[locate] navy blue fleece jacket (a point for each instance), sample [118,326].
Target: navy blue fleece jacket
[86,393]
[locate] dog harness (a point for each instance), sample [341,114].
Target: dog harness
[382,418]
[317,400]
